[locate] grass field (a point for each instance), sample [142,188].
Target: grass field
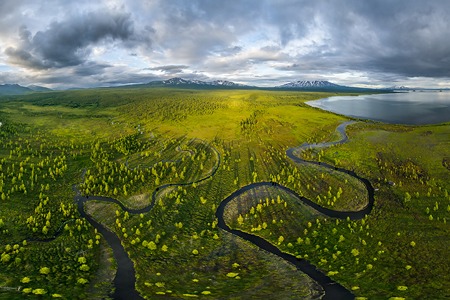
[125,143]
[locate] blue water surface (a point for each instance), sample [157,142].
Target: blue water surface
[412,108]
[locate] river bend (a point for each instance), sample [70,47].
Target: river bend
[125,279]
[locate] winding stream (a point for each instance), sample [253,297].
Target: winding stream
[125,279]
[333,290]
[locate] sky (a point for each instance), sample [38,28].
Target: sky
[85,43]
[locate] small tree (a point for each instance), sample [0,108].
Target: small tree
[84,268]
[151,245]
[407,198]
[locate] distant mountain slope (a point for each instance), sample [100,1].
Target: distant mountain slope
[186,83]
[13,89]
[309,84]
[177,82]
[322,85]
[38,88]
[16,89]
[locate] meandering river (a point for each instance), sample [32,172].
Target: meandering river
[125,279]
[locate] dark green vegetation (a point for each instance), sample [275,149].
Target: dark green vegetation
[125,143]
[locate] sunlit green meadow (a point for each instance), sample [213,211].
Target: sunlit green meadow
[125,143]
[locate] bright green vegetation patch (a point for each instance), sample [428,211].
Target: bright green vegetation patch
[412,204]
[128,143]
[266,209]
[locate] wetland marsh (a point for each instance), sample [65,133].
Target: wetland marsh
[167,159]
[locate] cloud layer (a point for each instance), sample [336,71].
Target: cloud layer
[65,44]
[261,42]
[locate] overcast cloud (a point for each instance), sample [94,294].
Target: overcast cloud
[61,44]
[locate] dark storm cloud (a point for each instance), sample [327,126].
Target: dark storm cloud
[103,76]
[90,68]
[170,69]
[403,37]
[194,30]
[67,43]
[407,38]
[239,40]
[125,77]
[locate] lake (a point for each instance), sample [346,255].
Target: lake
[412,108]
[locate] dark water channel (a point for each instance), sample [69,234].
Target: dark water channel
[125,279]
[332,289]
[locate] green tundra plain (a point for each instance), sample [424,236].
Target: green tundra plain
[126,144]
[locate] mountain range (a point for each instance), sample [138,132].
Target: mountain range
[15,89]
[309,84]
[180,82]
[301,85]
[305,85]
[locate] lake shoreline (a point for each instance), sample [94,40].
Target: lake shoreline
[412,108]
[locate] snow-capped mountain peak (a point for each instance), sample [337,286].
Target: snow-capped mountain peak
[181,81]
[224,83]
[308,84]
[175,81]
